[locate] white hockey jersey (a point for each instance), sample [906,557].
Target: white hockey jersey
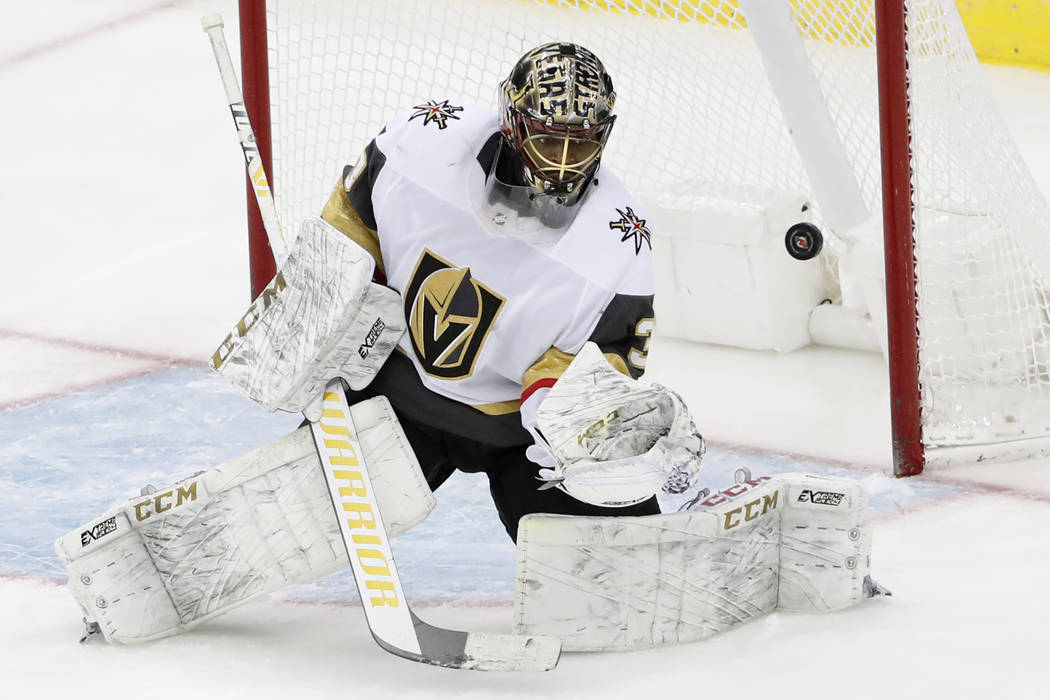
[491,307]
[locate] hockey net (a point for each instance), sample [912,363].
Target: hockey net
[700,120]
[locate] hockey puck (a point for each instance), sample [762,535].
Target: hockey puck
[804,241]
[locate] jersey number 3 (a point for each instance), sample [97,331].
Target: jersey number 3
[644,330]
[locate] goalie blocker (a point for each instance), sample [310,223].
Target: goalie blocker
[322,317]
[792,542]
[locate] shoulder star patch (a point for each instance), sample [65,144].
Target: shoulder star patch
[633,228]
[438,112]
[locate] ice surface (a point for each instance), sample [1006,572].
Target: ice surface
[123,253]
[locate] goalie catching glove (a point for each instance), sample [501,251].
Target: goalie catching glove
[609,440]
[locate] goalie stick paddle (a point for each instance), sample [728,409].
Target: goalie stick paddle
[393,624]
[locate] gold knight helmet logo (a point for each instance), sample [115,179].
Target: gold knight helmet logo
[449,316]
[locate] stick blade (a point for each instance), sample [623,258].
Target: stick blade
[478,651]
[510,652]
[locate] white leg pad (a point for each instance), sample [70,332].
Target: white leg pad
[825,544]
[790,542]
[160,564]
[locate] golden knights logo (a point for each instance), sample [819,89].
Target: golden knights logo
[449,316]
[633,227]
[433,111]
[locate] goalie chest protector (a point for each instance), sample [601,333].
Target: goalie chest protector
[483,304]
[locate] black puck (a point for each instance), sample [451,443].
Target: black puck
[804,241]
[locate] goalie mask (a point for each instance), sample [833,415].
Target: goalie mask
[556,114]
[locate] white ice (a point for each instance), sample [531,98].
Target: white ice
[124,259]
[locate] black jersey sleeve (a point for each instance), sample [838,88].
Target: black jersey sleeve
[623,332]
[349,208]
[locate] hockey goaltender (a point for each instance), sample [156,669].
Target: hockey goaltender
[484,296]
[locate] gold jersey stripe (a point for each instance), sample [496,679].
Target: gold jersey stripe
[339,212]
[618,363]
[500,408]
[551,365]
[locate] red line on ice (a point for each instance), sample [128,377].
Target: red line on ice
[44,579]
[166,360]
[73,388]
[156,362]
[64,41]
[971,487]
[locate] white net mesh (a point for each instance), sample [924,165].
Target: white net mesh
[699,120]
[981,246]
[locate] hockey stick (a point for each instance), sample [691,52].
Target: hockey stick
[393,624]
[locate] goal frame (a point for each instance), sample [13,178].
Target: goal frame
[255,83]
[898,237]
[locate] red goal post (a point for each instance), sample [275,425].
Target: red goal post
[898,238]
[255,79]
[873,114]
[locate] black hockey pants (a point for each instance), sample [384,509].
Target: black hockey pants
[512,477]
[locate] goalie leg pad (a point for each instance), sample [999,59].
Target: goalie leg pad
[620,583]
[792,542]
[825,544]
[160,564]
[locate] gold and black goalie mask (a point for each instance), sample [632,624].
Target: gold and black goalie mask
[557,114]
